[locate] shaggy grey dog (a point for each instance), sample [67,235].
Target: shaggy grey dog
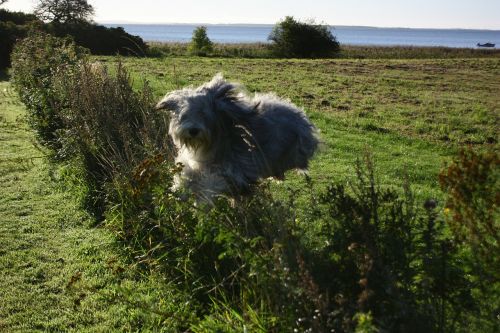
[227,140]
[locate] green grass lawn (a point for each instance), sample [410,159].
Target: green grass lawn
[57,271]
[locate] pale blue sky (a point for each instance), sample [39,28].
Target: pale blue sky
[479,14]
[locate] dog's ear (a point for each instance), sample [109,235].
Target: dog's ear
[169,103]
[227,97]
[219,88]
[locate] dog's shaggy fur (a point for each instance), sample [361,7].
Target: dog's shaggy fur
[227,140]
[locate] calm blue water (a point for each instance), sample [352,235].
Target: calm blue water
[251,33]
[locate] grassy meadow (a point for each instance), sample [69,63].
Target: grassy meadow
[411,114]
[59,271]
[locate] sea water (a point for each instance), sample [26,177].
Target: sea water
[258,33]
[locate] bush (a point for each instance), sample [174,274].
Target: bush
[18,18]
[36,62]
[82,112]
[99,39]
[294,39]
[200,44]
[108,126]
[391,259]
[230,259]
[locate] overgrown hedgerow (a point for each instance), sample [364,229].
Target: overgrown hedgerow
[375,261]
[36,62]
[81,111]
[108,127]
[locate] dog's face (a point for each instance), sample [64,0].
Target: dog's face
[191,120]
[195,113]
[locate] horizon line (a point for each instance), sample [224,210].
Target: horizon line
[117,22]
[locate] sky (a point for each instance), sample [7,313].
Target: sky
[466,14]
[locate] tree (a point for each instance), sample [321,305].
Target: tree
[295,39]
[2,2]
[200,44]
[64,11]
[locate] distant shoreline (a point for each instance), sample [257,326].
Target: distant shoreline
[272,24]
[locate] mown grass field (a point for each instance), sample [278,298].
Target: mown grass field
[57,272]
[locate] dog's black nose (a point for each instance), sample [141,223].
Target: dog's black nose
[194,131]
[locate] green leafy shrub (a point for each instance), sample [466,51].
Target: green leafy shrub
[200,45]
[73,18]
[231,259]
[107,125]
[391,259]
[101,40]
[82,112]
[295,39]
[36,62]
